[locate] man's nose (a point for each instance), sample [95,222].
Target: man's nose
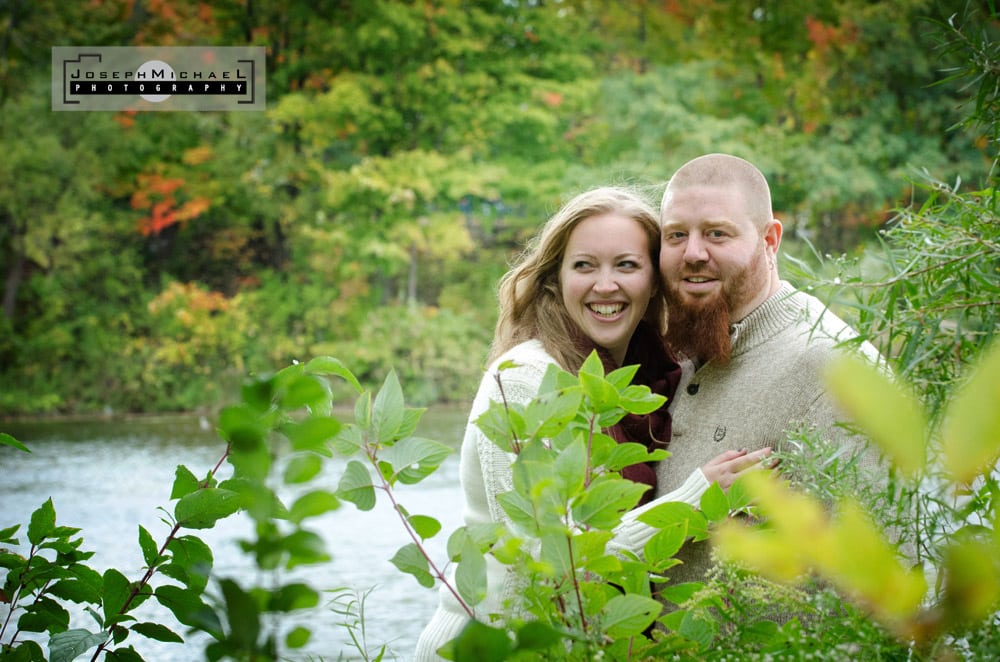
[695,250]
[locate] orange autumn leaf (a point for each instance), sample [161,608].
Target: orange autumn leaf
[193,209]
[197,155]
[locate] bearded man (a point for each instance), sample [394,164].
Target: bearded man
[753,348]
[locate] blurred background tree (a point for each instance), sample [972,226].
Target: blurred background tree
[408,149]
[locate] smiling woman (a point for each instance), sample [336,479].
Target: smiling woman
[587,283]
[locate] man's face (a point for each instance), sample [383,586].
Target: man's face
[713,252]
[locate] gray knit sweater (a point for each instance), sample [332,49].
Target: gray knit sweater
[773,384]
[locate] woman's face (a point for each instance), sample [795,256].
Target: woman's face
[607,279]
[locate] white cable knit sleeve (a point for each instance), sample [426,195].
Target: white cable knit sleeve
[632,535]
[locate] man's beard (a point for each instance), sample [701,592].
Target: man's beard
[700,329]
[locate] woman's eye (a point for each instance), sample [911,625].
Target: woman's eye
[581,264]
[628,264]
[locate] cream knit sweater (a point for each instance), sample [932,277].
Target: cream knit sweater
[485,473]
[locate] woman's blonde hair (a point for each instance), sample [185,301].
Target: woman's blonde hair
[530,296]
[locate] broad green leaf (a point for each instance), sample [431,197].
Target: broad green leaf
[890,415]
[7,440]
[328,365]
[190,562]
[202,509]
[348,441]
[291,597]
[75,590]
[114,592]
[535,636]
[43,614]
[547,415]
[356,486]
[499,425]
[304,548]
[680,593]
[604,502]
[601,394]
[520,510]
[312,434]
[592,366]
[302,469]
[665,543]
[622,377]
[971,433]
[414,458]
[629,615]
[424,526]
[714,503]
[242,614]
[297,637]
[482,643]
[187,606]
[313,504]
[470,574]
[69,645]
[158,632]
[150,552]
[7,535]
[625,455]
[699,627]
[185,482]
[387,410]
[409,560]
[571,467]
[640,400]
[42,523]
[305,391]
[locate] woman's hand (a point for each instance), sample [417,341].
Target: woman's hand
[727,467]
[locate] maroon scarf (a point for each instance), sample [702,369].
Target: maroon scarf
[661,374]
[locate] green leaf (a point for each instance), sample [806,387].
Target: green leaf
[75,590]
[604,502]
[412,459]
[547,415]
[313,504]
[190,562]
[202,509]
[305,391]
[602,395]
[629,615]
[7,535]
[387,410]
[312,434]
[185,482]
[356,486]
[592,366]
[158,632]
[675,512]
[665,543]
[640,400]
[302,469]
[424,526]
[625,455]
[43,614]
[114,593]
[971,433]
[242,613]
[7,440]
[304,547]
[69,645]
[291,597]
[410,560]
[150,552]
[714,503]
[297,637]
[534,636]
[482,643]
[470,574]
[328,365]
[891,416]
[43,521]
[188,608]
[622,377]
[571,466]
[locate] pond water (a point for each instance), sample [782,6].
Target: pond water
[108,477]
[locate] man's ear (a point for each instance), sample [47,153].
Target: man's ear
[772,235]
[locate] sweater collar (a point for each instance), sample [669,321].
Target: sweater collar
[772,316]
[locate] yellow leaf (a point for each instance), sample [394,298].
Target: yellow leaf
[890,415]
[971,434]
